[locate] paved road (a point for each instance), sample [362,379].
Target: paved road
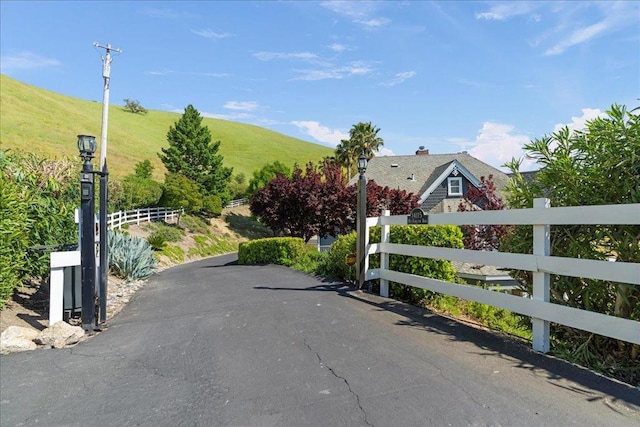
[216,344]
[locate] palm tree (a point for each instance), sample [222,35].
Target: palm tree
[364,138]
[345,156]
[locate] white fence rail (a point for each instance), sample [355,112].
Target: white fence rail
[236,203]
[117,219]
[541,263]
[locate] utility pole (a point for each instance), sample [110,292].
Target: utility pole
[104,174]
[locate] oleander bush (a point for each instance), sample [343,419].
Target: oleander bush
[14,224]
[37,200]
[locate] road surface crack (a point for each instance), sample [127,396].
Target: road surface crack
[330,369]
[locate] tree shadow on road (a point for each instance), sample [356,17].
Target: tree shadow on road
[617,396]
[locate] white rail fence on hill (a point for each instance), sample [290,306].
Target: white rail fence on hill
[236,203]
[116,220]
[541,263]
[136,216]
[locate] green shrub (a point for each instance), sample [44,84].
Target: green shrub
[169,233]
[181,193]
[194,224]
[309,260]
[211,206]
[333,265]
[48,193]
[14,224]
[130,258]
[275,250]
[448,236]
[140,192]
[157,241]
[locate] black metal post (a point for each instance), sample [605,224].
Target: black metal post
[104,243]
[361,226]
[88,245]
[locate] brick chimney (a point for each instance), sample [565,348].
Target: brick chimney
[421,151]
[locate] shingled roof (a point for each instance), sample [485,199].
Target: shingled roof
[417,173]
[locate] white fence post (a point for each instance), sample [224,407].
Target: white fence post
[58,261]
[541,281]
[384,256]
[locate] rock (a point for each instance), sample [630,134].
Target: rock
[16,338]
[20,332]
[59,335]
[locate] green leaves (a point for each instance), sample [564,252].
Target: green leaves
[599,165]
[276,250]
[191,154]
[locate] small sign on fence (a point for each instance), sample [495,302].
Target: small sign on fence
[418,216]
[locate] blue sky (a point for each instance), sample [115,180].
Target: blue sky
[485,77]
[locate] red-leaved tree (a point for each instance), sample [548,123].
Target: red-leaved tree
[318,201]
[312,202]
[397,201]
[336,209]
[483,237]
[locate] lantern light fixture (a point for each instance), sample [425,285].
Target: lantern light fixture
[362,163]
[86,146]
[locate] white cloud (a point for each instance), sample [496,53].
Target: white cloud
[232,116]
[373,23]
[579,123]
[339,47]
[400,78]
[210,74]
[168,14]
[504,11]
[210,34]
[321,133]
[160,73]
[360,12]
[497,144]
[328,69]
[242,105]
[302,56]
[385,152]
[311,75]
[26,61]
[354,10]
[578,36]
[353,69]
[573,24]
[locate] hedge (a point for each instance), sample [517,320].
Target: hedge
[275,250]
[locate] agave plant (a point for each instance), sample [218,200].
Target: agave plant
[130,257]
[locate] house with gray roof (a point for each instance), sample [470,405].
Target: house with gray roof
[441,180]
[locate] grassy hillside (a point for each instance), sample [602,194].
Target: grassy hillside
[37,120]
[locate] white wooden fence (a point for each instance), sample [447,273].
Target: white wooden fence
[136,216]
[541,263]
[236,203]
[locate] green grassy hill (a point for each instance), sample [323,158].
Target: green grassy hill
[37,120]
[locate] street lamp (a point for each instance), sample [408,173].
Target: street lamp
[361,217]
[87,146]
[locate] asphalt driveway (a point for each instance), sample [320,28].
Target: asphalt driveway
[212,343]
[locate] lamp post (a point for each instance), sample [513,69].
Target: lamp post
[87,146]
[361,217]
[104,175]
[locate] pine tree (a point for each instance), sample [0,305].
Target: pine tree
[192,154]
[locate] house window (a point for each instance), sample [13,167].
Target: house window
[455,186]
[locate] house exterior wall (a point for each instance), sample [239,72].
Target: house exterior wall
[441,193]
